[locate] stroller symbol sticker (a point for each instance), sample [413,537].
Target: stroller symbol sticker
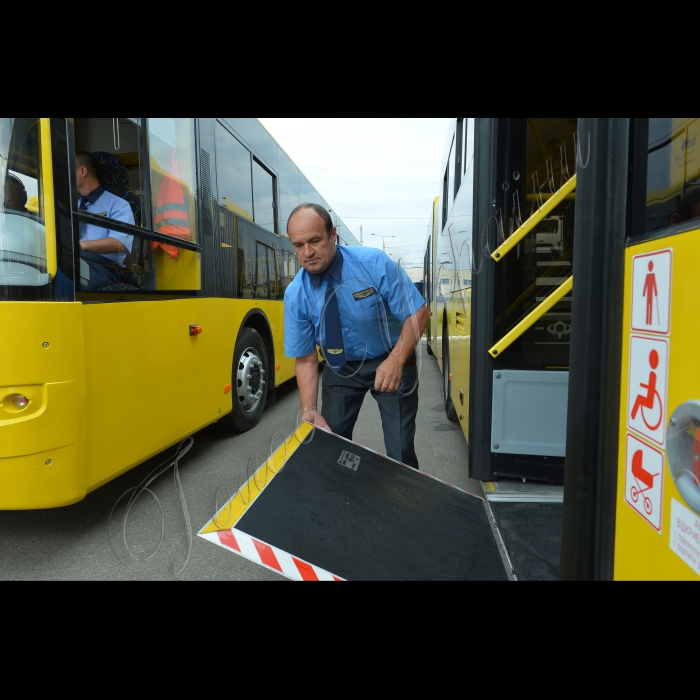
[644,480]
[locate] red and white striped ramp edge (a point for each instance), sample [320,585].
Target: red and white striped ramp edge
[268,556]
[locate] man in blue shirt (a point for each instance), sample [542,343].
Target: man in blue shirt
[103,249]
[364,313]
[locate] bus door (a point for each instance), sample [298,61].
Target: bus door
[524,237]
[657,533]
[42,377]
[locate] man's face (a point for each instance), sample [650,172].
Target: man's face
[313,246]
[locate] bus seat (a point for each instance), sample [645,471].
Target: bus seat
[114,178]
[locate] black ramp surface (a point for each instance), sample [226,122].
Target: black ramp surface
[382,521]
[532,534]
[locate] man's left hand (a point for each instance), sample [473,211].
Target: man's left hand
[388,376]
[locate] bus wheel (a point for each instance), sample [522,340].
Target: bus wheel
[447,384]
[249,385]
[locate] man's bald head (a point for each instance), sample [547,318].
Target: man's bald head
[328,222]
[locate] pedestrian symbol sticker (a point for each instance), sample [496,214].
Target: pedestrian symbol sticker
[644,480]
[651,292]
[646,407]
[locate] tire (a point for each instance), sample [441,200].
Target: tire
[249,385]
[447,384]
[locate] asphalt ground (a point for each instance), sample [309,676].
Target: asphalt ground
[89,540]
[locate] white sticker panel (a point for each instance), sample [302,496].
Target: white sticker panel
[685,535]
[651,292]
[644,480]
[646,398]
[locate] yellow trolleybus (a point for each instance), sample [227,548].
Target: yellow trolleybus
[96,379]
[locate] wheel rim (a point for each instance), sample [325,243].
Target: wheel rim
[250,380]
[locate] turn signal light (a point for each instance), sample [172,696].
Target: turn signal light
[227,388]
[195,329]
[19,401]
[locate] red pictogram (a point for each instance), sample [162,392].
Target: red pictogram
[651,293]
[649,399]
[646,478]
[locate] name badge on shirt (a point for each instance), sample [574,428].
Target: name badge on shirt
[99,213]
[364,293]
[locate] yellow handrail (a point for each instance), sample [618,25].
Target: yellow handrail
[533,316]
[47,192]
[535,219]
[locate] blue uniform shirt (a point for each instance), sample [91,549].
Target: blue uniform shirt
[103,203]
[375,297]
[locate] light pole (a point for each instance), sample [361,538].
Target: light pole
[382,237]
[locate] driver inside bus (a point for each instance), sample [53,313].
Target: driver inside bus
[15,194]
[103,249]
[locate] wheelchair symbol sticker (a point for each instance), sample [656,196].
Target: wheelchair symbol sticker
[648,370]
[644,480]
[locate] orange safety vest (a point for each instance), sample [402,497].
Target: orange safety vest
[171,215]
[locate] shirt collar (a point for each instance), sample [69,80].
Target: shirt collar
[333,270]
[93,196]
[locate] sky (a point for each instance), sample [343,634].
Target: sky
[381,174]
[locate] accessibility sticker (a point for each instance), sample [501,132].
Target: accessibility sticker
[648,373]
[651,292]
[644,480]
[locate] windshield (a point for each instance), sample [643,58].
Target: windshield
[23,268]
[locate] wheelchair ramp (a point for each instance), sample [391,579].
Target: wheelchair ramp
[323,507]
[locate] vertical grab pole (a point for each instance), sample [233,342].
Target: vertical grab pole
[49,209]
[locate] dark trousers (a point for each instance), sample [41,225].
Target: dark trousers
[343,394]
[103,271]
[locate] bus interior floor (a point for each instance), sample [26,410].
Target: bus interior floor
[532,536]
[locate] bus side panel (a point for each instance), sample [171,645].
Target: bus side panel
[274,310]
[149,383]
[657,532]
[42,447]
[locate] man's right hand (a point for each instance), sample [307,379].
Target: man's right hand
[315,418]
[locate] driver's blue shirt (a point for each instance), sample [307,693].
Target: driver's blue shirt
[103,203]
[375,297]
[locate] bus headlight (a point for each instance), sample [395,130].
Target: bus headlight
[20,401]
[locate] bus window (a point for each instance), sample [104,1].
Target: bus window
[23,256]
[233,174]
[289,189]
[673,172]
[265,273]
[289,266]
[264,197]
[115,145]
[118,146]
[171,147]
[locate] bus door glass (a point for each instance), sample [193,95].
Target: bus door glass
[24,272]
[539,159]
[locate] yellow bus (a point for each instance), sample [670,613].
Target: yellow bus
[96,379]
